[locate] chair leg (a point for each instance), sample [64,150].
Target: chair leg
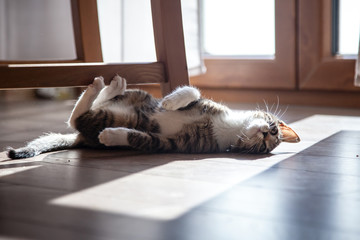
[169,42]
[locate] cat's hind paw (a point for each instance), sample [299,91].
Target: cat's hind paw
[114,137]
[117,85]
[180,98]
[168,104]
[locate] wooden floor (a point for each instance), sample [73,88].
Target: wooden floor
[309,190]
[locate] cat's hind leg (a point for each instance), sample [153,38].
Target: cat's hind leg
[138,140]
[117,87]
[86,100]
[115,136]
[180,97]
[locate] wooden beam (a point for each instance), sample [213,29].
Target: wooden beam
[86,30]
[169,42]
[76,74]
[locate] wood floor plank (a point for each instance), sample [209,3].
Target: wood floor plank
[15,229]
[214,225]
[35,208]
[285,206]
[61,177]
[312,182]
[308,190]
[321,164]
[344,144]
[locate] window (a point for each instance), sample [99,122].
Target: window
[239,28]
[276,38]
[348,17]
[304,56]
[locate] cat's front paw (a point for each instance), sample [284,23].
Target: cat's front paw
[94,88]
[99,83]
[114,137]
[257,128]
[118,85]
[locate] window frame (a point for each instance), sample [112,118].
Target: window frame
[319,67]
[277,73]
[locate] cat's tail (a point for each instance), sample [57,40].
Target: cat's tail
[45,143]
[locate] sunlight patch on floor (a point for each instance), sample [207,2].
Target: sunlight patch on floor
[9,166]
[168,191]
[13,170]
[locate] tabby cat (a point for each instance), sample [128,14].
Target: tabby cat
[183,122]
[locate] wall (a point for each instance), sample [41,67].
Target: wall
[36,30]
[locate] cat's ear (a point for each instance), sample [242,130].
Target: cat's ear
[287,134]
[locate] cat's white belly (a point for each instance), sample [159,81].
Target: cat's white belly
[171,122]
[121,109]
[226,129]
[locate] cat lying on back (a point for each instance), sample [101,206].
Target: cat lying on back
[183,122]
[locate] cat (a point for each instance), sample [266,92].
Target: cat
[181,122]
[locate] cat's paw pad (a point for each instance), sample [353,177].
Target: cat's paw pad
[114,137]
[118,85]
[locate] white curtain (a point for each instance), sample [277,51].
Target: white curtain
[127,34]
[192,34]
[36,30]
[357,69]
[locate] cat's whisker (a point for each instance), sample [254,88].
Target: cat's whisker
[278,111]
[245,135]
[240,137]
[258,107]
[284,112]
[277,105]
[272,105]
[266,106]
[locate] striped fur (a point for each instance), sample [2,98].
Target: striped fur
[111,116]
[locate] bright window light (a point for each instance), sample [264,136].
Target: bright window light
[349,27]
[239,27]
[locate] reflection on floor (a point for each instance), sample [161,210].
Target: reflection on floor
[309,190]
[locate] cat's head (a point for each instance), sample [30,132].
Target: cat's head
[264,132]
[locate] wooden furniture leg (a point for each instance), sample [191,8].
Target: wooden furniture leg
[169,42]
[170,70]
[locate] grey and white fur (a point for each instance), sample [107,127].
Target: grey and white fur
[183,122]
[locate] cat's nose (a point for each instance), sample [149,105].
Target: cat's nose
[265,134]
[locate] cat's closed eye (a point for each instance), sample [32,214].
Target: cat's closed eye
[274,130]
